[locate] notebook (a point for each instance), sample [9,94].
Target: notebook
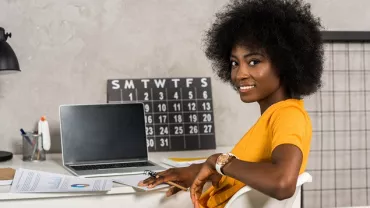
[183,162]
[6,176]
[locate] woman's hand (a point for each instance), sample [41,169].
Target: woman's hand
[182,176]
[206,173]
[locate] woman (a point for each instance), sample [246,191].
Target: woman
[271,52]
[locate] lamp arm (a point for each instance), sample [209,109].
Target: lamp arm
[3,35]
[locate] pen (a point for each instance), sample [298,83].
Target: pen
[27,138]
[34,151]
[154,174]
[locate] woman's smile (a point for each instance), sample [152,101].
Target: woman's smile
[246,88]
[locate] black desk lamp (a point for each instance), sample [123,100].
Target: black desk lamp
[8,63]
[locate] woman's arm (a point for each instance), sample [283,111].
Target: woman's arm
[277,178]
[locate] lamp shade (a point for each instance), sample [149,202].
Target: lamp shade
[8,59]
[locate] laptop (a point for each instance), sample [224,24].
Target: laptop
[104,139]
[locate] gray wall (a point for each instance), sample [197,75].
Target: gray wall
[68,49]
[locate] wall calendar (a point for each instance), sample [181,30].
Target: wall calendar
[178,111]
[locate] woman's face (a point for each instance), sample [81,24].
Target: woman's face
[253,75]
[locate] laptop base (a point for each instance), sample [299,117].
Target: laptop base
[113,171]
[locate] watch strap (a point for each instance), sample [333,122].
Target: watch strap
[218,169]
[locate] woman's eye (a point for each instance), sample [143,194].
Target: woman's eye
[254,62]
[233,64]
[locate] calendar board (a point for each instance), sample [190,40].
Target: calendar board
[178,111]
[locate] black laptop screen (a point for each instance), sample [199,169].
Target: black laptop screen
[102,132]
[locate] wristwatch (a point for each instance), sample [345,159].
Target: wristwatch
[222,160]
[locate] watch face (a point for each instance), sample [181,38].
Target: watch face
[222,159]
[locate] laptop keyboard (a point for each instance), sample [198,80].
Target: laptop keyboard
[111,166]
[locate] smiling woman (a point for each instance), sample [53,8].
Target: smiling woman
[253,75]
[271,52]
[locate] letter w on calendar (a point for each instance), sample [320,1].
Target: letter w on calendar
[39,181]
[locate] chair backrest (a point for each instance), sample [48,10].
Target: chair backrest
[251,198]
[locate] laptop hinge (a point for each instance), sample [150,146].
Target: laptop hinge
[106,162]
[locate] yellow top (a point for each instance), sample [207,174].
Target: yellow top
[285,122]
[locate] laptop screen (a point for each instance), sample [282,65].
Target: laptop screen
[102,132]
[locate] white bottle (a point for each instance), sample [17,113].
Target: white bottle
[43,129]
[39,142]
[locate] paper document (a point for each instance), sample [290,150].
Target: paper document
[39,181]
[5,182]
[133,180]
[183,162]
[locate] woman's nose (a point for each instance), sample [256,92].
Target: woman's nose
[243,73]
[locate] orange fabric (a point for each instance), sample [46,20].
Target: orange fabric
[285,122]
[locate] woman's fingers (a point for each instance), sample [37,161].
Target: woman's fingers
[173,190]
[150,180]
[147,181]
[162,177]
[196,188]
[215,179]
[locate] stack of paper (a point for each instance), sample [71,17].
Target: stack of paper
[183,162]
[39,181]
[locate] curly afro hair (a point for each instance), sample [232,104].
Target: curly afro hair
[285,29]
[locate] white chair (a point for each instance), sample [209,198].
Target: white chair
[251,198]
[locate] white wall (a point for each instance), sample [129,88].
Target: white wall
[68,49]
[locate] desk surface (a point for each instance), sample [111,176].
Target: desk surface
[53,164]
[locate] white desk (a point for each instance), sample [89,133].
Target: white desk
[119,196]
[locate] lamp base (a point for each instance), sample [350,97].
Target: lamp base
[4,156]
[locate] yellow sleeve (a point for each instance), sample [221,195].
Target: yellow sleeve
[288,127]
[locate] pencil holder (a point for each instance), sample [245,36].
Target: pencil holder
[32,147]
